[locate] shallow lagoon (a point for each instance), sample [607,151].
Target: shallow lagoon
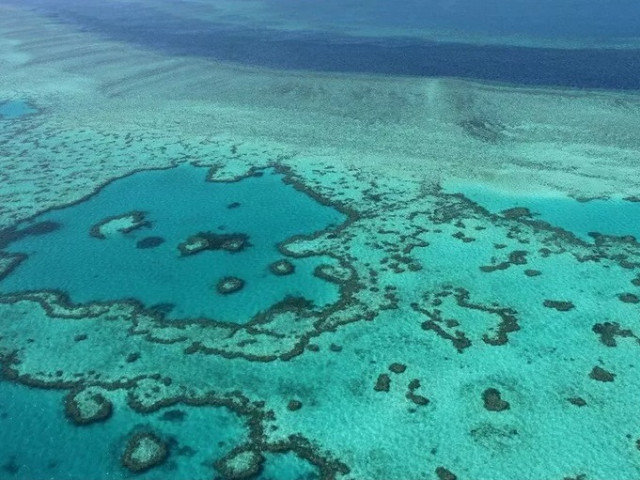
[613,216]
[178,203]
[37,438]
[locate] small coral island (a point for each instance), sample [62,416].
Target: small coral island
[240,463]
[282,267]
[144,451]
[88,406]
[229,285]
[231,242]
[125,223]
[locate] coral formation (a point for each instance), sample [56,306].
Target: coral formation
[559,305]
[493,401]
[87,406]
[383,383]
[240,463]
[397,367]
[229,285]
[123,223]
[602,375]
[229,242]
[150,242]
[282,267]
[144,451]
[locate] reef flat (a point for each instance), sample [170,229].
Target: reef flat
[423,333]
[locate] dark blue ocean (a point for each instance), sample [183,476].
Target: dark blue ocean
[326,46]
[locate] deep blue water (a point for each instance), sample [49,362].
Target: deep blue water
[586,19]
[318,50]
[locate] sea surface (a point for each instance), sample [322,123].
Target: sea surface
[296,240]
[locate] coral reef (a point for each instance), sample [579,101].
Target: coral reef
[229,285]
[282,267]
[229,242]
[144,451]
[123,223]
[87,406]
[493,400]
[150,242]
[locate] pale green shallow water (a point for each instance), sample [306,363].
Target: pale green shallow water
[431,327]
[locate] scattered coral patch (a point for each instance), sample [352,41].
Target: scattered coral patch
[240,463]
[149,242]
[559,305]
[577,401]
[517,257]
[602,375]
[516,212]
[132,357]
[230,242]
[383,383]
[608,331]
[628,298]
[493,400]
[144,451]
[414,397]
[444,474]
[124,223]
[229,285]
[397,367]
[419,400]
[580,476]
[449,328]
[282,267]
[87,406]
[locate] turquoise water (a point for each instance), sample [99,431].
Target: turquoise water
[287,467]
[33,424]
[613,216]
[15,109]
[178,203]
